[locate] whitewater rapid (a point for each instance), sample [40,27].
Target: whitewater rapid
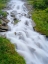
[28,43]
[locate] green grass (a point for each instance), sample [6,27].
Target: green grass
[3,3]
[8,55]
[40,15]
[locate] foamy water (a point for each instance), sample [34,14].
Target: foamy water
[28,43]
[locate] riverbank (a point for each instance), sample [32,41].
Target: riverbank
[40,15]
[8,55]
[28,43]
[3,16]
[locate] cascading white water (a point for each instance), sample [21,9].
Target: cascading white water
[30,44]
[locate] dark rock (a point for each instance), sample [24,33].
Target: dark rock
[4,24]
[29,16]
[3,28]
[26,23]
[15,33]
[15,19]
[46,36]
[13,13]
[34,28]
[24,14]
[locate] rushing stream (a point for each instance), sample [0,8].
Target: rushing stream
[28,43]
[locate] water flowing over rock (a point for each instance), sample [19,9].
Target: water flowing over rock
[30,44]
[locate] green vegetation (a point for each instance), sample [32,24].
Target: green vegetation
[4,14]
[16,21]
[39,4]
[2,6]
[8,55]
[0,22]
[40,15]
[3,3]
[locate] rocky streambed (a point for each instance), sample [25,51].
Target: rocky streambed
[3,21]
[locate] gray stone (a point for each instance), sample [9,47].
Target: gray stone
[26,23]
[15,33]
[4,28]
[5,20]
[13,13]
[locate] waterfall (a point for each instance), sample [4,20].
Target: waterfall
[28,43]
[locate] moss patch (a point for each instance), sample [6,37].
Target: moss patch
[8,55]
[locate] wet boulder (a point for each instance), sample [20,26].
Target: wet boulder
[3,25]
[28,16]
[26,23]
[15,33]
[15,19]
[4,28]
[13,13]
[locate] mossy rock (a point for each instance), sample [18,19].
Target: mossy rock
[16,21]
